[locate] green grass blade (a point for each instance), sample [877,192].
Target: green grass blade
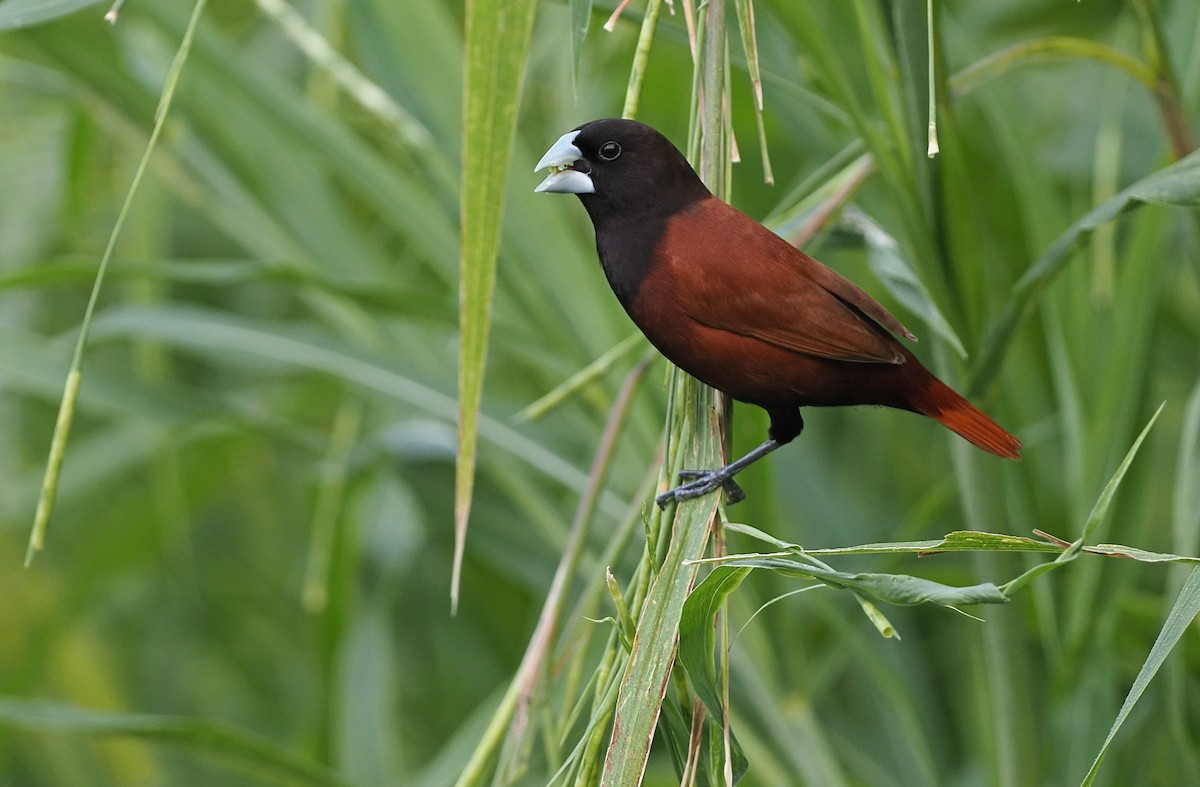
[1186,607]
[1177,184]
[890,267]
[1047,50]
[581,379]
[899,589]
[697,636]
[641,56]
[1099,511]
[26,13]
[645,682]
[241,750]
[66,412]
[497,44]
[746,25]
[581,18]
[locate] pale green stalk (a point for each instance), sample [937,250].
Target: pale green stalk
[66,411]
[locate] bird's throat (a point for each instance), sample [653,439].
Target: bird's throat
[626,248]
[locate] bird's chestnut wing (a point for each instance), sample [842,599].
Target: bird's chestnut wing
[731,273]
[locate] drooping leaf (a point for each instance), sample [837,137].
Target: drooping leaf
[241,750]
[26,13]
[889,265]
[1099,511]
[899,589]
[1177,184]
[696,634]
[1184,611]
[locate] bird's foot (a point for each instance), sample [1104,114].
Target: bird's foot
[702,482]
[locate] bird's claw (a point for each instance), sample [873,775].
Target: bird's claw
[702,482]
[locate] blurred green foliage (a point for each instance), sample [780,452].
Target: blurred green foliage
[247,571]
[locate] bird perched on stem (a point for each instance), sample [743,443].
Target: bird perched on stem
[736,306]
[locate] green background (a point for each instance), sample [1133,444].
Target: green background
[254,526]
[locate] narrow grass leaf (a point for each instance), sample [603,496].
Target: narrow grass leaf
[1186,607]
[899,589]
[498,33]
[745,17]
[241,750]
[1177,184]
[1047,50]
[66,411]
[641,56]
[581,17]
[580,379]
[1141,555]
[26,13]
[901,280]
[1099,510]
[645,681]
[957,541]
[697,636]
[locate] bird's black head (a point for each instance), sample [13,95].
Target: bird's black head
[621,167]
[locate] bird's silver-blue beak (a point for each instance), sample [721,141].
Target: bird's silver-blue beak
[561,159]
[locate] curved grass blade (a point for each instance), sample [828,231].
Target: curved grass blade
[573,384]
[66,411]
[16,14]
[241,750]
[1099,510]
[646,676]
[581,18]
[498,33]
[1186,607]
[901,280]
[225,335]
[697,636]
[1177,184]
[898,589]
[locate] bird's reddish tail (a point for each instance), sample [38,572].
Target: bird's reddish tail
[941,403]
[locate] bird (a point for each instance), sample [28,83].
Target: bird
[736,306]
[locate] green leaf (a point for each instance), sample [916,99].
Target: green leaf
[243,751]
[1184,611]
[1099,510]
[224,336]
[697,637]
[497,44]
[644,683]
[645,680]
[66,409]
[899,589]
[581,17]
[26,13]
[581,379]
[889,265]
[957,541]
[1142,555]
[1177,184]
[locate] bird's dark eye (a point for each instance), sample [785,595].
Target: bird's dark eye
[609,151]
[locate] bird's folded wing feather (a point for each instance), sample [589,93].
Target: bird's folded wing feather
[755,284]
